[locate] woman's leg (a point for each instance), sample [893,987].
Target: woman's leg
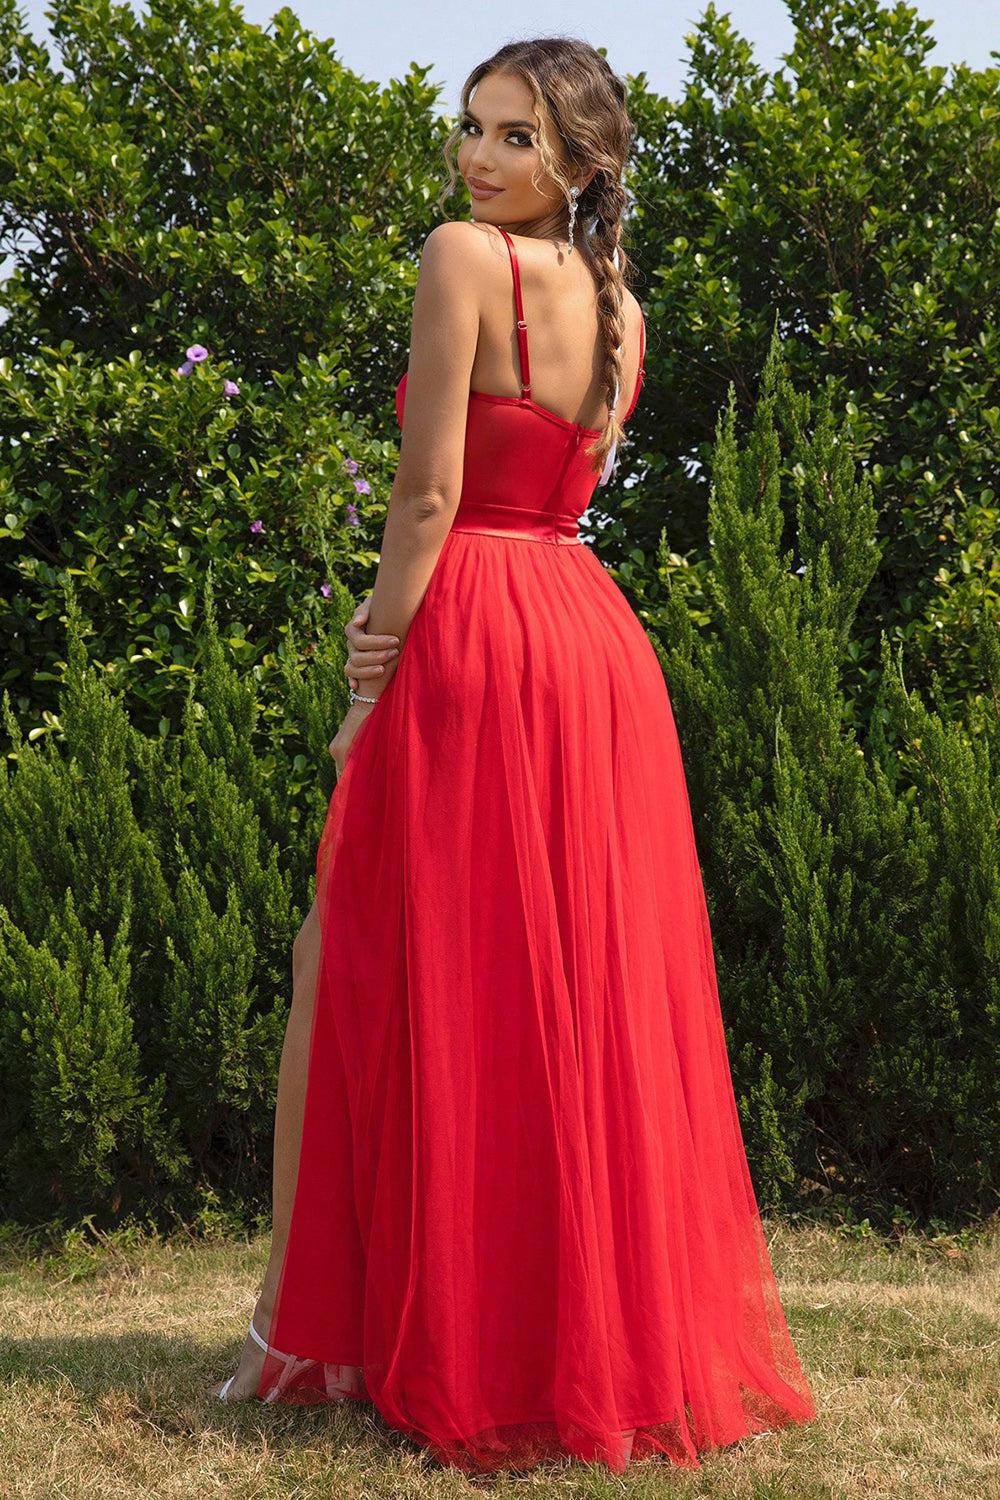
[291,1101]
[288,1117]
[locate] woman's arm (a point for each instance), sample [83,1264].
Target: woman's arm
[428,482]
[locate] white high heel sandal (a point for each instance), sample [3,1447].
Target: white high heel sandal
[293,1364]
[340,1381]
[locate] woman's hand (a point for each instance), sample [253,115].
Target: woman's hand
[365,659]
[368,653]
[344,738]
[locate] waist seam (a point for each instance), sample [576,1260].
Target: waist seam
[514,535]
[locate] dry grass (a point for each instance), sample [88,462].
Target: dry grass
[106,1352]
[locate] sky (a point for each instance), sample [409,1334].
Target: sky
[380,38]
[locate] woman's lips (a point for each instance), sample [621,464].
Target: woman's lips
[482,192]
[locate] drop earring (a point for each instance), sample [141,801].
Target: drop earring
[574,193]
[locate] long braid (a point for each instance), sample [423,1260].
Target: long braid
[611,263]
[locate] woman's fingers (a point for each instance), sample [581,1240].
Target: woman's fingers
[357,635]
[375,670]
[361,641]
[369,663]
[367,653]
[370,656]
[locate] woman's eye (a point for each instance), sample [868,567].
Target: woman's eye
[518,135]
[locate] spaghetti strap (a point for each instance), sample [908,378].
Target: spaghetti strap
[522,343]
[522,327]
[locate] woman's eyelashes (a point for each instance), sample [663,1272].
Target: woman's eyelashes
[468,125]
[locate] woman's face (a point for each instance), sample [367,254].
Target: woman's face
[499,149]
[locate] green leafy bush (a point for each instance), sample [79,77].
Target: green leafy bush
[266,496]
[196,184]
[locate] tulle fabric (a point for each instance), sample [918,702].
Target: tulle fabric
[524,1227]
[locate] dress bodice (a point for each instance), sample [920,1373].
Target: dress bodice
[526,467]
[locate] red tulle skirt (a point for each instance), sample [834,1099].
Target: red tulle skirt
[524,1227]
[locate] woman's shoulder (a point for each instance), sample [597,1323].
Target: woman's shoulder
[452,261]
[464,247]
[460,240]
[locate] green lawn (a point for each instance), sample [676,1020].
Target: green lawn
[106,1351]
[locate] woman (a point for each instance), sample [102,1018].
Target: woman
[512,1206]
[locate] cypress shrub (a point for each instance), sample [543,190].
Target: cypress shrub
[853,882]
[152,887]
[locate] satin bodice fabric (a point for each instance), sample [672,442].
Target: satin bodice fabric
[525,467]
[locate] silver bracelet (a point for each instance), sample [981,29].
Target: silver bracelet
[360,698]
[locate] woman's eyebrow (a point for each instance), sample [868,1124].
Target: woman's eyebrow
[504,124]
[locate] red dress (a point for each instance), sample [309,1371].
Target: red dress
[524,1227]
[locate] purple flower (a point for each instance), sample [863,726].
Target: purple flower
[351,465]
[326,590]
[185,368]
[352,515]
[362,486]
[197,353]
[230,388]
[256,527]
